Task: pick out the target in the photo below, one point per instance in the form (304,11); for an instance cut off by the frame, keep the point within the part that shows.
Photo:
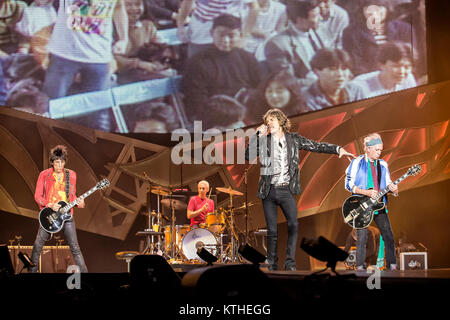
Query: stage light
(206,256)
(251,254)
(324,250)
(27,263)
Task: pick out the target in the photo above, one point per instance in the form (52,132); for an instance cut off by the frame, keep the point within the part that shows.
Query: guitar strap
(379,173)
(380,258)
(67,184)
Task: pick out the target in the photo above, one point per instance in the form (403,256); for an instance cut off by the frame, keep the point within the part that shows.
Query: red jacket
(45,183)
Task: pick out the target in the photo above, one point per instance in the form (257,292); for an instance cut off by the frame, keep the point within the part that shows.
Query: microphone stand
(149,211)
(246,206)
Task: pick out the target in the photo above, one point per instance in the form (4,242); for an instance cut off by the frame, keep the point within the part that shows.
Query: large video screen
(156,66)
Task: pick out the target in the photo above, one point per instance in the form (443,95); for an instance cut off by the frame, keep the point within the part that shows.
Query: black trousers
(280,196)
(71,237)
(384,225)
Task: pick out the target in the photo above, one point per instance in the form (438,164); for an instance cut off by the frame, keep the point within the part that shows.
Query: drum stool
(127,256)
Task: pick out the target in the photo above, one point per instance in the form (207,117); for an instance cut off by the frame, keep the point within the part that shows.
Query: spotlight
(251,254)
(324,250)
(27,263)
(206,256)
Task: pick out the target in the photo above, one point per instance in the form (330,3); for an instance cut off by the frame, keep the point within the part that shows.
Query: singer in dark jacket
(279,182)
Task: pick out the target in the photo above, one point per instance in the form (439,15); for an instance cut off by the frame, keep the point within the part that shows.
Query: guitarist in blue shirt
(367,175)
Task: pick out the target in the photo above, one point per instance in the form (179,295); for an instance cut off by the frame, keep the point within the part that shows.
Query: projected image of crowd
(159,65)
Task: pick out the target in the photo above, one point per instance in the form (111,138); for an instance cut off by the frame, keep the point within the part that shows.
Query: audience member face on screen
(226,39)
(281,91)
(324,8)
(332,69)
(135,10)
(397,71)
(226,32)
(311,22)
(395,62)
(277,95)
(304,15)
(333,78)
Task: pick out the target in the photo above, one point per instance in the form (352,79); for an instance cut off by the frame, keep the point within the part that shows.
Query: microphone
(258,133)
(279,143)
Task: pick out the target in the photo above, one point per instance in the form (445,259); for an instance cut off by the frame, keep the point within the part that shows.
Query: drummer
(199,206)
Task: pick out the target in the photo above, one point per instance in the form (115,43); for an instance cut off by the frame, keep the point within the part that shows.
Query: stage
(183,294)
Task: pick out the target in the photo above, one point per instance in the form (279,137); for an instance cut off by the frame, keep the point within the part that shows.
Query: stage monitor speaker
(220,283)
(53,259)
(6,267)
(153,272)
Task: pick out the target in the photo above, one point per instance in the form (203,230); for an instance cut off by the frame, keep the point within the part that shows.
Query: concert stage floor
(285,292)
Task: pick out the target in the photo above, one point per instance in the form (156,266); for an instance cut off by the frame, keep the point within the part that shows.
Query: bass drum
(197,238)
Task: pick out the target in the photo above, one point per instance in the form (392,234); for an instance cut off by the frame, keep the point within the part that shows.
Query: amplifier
(351,259)
(53,259)
(413,261)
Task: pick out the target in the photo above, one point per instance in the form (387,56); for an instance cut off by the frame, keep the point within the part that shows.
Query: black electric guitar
(53,221)
(358,210)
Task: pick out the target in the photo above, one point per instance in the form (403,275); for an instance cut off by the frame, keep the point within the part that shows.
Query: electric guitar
(358,210)
(53,221)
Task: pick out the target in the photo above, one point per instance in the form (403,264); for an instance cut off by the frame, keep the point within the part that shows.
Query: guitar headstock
(414,170)
(102,184)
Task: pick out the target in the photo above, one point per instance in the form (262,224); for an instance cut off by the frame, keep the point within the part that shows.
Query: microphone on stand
(246,206)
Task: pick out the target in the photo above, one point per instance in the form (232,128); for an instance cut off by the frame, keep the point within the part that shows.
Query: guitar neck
(84,195)
(386,190)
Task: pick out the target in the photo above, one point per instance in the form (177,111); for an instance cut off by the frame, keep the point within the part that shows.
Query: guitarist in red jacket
(57,184)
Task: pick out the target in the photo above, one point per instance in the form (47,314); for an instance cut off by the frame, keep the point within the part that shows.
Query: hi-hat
(229,191)
(244,206)
(154,214)
(176,204)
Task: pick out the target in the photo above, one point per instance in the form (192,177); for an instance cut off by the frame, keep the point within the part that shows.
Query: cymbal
(176,204)
(153,213)
(160,191)
(230,191)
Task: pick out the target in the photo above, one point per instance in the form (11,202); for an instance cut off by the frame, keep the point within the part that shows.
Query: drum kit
(179,243)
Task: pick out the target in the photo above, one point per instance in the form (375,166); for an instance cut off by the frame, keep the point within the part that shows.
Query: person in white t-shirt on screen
(82,44)
(270,17)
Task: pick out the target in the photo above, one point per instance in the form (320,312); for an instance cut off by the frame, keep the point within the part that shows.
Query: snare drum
(199,238)
(216,221)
